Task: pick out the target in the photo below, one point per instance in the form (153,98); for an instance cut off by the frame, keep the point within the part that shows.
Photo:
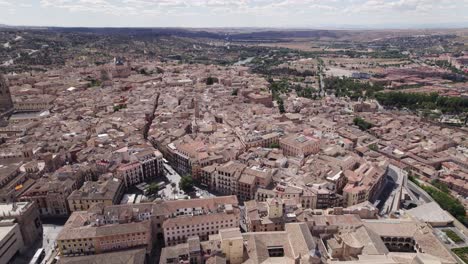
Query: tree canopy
(348,87)
(362,124)
(419,101)
(186,184)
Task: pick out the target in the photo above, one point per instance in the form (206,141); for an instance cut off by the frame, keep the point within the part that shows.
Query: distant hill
(261,35)
(248,34)
(138,31)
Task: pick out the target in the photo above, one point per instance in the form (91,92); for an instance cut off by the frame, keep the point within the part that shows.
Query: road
(51,229)
(420,194)
(51,232)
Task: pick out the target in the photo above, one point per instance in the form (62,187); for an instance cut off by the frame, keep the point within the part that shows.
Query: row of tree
(458,75)
(283,71)
(448,203)
(441,194)
(419,101)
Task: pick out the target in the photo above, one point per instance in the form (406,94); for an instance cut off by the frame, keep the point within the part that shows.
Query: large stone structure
(26,215)
(6,103)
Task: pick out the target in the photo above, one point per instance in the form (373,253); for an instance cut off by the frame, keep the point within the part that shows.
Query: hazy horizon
(304,14)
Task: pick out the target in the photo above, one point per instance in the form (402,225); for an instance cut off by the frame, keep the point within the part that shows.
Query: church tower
(6,104)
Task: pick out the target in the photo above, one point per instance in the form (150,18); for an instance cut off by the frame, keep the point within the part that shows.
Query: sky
(236,13)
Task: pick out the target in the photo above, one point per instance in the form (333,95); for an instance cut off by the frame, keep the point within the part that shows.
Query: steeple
(6,103)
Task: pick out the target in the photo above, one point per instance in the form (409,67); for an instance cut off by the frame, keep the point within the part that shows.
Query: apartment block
(236,178)
(51,196)
(136,164)
(297,145)
(87,233)
(364,183)
(188,158)
(107,192)
(11,241)
(197,217)
(263,139)
(271,215)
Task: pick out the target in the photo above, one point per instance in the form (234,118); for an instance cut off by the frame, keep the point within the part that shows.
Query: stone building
(299,145)
(11,241)
(293,245)
(107,192)
(6,103)
(26,215)
(87,233)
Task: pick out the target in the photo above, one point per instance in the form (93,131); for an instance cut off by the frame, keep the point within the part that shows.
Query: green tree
(93,83)
(186,184)
(274,145)
(362,124)
(422,101)
(373,147)
(211,80)
(348,87)
(440,185)
(448,203)
(153,188)
(118,107)
(281,106)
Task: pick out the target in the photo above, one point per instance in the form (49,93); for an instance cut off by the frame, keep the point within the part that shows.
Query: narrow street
(51,229)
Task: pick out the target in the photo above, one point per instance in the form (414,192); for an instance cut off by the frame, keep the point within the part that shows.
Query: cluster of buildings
(424,149)
(207,231)
(303,185)
(105,228)
(66,149)
(319,238)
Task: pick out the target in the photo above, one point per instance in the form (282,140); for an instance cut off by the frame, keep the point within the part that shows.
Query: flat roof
(7,209)
(5,230)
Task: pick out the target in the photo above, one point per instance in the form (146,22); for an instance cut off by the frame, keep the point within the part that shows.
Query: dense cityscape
(171,145)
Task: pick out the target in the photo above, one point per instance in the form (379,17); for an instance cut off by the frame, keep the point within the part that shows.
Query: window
(275,252)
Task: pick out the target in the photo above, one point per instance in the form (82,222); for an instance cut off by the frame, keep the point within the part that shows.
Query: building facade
(11,241)
(106,192)
(299,145)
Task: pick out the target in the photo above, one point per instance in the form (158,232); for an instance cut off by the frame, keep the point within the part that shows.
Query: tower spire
(6,103)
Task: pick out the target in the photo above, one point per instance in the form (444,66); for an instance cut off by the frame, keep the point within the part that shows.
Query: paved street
(420,194)
(174,177)
(51,230)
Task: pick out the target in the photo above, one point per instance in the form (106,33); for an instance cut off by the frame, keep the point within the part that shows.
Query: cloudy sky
(235,13)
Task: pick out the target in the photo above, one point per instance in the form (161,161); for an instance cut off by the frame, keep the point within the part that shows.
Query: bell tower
(6,104)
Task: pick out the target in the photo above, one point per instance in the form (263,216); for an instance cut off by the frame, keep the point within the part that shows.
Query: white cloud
(238,12)
(6,3)
(113,6)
